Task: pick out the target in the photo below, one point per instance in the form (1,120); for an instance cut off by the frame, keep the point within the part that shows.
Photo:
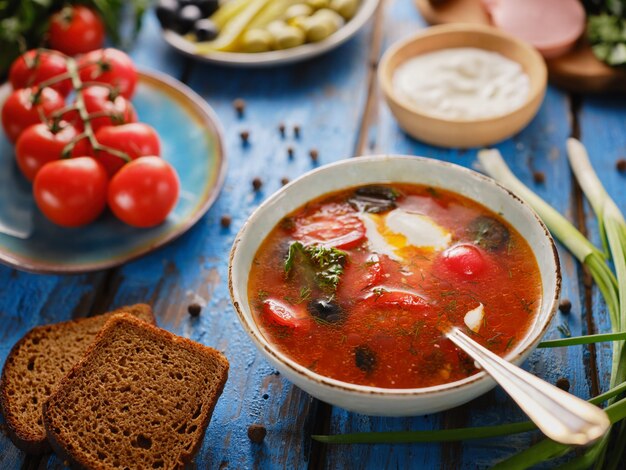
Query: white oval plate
(286,56)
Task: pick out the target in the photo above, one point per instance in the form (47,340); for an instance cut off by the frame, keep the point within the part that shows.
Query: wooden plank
(325,97)
(601,121)
(538,148)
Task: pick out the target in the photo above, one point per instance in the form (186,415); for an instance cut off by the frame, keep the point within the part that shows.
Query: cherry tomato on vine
(136,140)
(144,192)
(110,66)
(40,144)
(23,107)
(98,100)
(36,66)
(76,30)
(71,192)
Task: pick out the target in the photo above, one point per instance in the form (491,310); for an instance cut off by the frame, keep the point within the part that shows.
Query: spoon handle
(559,415)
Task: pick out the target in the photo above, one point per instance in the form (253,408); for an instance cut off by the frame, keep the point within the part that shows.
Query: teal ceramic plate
(191,140)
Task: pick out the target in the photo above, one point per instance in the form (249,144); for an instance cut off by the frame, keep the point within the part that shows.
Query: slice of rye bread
(140,398)
(35,366)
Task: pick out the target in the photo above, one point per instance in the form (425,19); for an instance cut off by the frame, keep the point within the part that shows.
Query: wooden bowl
(454,132)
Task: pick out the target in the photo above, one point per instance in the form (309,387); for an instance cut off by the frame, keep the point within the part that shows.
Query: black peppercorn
(194,309)
(565,306)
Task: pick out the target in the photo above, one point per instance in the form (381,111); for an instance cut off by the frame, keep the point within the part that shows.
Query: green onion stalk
(595,260)
(612,229)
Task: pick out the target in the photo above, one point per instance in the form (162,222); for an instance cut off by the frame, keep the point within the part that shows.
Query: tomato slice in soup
(375,271)
(283,314)
(383,297)
(332,227)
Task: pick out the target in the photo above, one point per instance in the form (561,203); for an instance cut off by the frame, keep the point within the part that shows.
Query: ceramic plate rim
(287,56)
(211,122)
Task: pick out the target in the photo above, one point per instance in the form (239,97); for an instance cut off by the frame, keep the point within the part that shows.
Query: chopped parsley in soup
(358,285)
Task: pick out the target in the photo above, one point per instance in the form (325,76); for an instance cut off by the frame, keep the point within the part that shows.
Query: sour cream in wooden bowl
(462,85)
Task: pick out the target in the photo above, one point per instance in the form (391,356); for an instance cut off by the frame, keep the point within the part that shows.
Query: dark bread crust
(78,458)
(21,433)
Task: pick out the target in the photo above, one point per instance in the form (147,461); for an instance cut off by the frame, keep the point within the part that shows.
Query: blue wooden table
(335,101)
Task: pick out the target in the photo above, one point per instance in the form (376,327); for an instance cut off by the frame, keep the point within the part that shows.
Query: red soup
(359,284)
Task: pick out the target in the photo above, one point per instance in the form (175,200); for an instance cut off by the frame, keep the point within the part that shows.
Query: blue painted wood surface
(330,99)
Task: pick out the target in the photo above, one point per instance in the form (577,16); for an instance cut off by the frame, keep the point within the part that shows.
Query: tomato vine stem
(88,133)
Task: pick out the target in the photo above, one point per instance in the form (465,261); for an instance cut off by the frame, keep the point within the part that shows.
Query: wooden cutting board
(577,71)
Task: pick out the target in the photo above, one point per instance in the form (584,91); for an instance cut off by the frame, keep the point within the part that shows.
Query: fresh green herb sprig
(328,263)
(24,23)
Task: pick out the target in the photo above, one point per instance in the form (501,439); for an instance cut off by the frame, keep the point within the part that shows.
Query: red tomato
(144,191)
(110,66)
(36,66)
(98,100)
(465,260)
(283,314)
(22,109)
(71,192)
(136,140)
(76,30)
(331,227)
(384,297)
(375,271)
(39,145)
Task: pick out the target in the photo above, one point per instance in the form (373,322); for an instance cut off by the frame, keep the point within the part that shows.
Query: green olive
(346,8)
(330,15)
(288,37)
(296,11)
(275,27)
(318,28)
(300,22)
(256,40)
(317,4)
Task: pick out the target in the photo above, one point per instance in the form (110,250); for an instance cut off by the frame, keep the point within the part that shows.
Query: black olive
(488,232)
(364,358)
(187,17)
(207,7)
(205,30)
(325,310)
(167,13)
(377,192)
(374,199)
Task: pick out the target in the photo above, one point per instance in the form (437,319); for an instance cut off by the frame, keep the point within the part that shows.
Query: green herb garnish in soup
(358,284)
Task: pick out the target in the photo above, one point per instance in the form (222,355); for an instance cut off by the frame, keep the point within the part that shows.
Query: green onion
(590,256)
(588,339)
(612,227)
(612,230)
(447,435)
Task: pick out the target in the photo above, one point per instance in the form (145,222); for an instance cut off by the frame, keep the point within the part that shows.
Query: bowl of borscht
(347,279)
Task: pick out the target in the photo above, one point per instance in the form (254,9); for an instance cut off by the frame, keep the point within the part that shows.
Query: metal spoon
(559,415)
